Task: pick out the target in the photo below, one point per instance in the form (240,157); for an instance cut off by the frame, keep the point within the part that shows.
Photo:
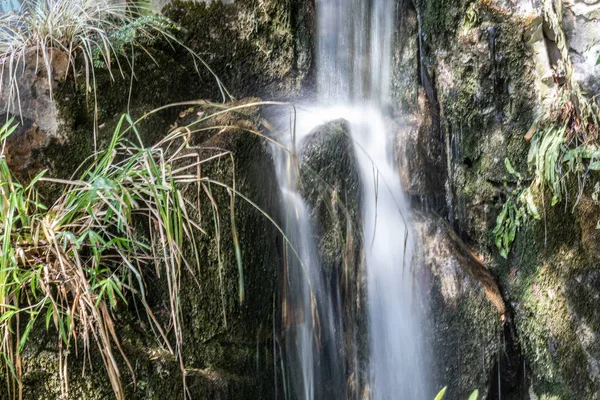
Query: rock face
(227,335)
(485,68)
(470,333)
(330,185)
(257,48)
(582,26)
(27,98)
(228,342)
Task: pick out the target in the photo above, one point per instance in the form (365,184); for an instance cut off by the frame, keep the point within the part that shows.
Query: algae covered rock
(229,315)
(551,281)
(257,48)
(469,332)
(490,65)
(330,185)
(227,338)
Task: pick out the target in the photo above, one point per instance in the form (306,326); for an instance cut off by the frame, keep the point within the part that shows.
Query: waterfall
(353,82)
(310,322)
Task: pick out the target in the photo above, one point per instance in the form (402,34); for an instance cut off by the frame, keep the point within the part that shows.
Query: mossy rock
(330,185)
(552,280)
(222,360)
(469,328)
(257,48)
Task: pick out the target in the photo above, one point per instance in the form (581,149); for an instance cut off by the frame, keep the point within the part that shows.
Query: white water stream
(353,75)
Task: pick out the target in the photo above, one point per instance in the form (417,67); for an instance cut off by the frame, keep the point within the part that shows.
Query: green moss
(222,332)
(442,18)
(550,277)
(466,335)
(485,85)
(256,47)
(330,185)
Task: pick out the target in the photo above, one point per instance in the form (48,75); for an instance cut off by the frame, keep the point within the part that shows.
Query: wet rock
(420,154)
(405,67)
(226,332)
(330,185)
(469,321)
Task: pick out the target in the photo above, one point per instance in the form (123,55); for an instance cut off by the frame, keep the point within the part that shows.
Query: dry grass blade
(95,33)
(74,264)
(71,262)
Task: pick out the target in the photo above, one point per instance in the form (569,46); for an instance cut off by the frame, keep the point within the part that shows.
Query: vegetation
(517,209)
(565,142)
(442,393)
(72,264)
(89,33)
(565,139)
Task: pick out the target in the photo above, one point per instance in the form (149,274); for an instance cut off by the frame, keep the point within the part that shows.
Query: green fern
(517,209)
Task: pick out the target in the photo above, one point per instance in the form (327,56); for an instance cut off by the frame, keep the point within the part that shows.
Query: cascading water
(353,76)
(312,326)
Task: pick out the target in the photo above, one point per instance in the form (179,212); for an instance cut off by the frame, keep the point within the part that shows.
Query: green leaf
(37,178)
(441,394)
(532,209)
(595,166)
(7,315)
(49,313)
(474,395)
(598,61)
(25,334)
(510,168)
(6,130)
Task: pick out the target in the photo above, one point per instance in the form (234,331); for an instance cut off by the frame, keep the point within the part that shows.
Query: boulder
(27,98)
(330,185)
(469,329)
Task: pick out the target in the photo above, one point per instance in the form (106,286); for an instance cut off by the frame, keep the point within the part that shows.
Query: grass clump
(90,34)
(71,265)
